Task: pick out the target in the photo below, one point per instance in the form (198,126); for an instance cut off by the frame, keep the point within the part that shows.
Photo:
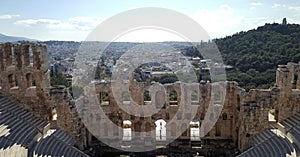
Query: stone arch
(31,56)
(104,98)
(13,55)
(195,130)
(218,129)
(12,80)
(127,130)
(160,130)
(295,78)
(30,81)
(147,97)
(54,114)
(224,116)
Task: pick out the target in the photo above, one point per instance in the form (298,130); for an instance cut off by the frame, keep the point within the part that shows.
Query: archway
(127,130)
(160,130)
(195,130)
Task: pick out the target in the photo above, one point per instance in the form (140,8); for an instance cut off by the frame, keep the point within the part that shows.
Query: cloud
(256,4)
(73,28)
(74,23)
(85,23)
(30,22)
(277,5)
(7,16)
(294,8)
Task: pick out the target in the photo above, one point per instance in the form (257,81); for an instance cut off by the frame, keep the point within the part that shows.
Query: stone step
(64,137)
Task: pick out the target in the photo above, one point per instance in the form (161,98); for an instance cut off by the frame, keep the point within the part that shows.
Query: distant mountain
(5,38)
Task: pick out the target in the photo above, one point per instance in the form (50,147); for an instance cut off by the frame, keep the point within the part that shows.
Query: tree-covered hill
(255,54)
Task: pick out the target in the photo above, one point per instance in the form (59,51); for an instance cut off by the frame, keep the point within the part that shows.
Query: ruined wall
(24,76)
(287,79)
(255,107)
(282,101)
(244,114)
(67,117)
(225,128)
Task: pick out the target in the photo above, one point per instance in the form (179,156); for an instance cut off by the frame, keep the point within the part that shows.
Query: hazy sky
(74,20)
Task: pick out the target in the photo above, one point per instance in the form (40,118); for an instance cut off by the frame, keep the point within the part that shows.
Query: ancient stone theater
(38,120)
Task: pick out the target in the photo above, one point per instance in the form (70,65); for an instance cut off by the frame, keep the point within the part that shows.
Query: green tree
(58,79)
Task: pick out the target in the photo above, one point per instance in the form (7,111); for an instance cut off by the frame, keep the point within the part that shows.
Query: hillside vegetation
(255,54)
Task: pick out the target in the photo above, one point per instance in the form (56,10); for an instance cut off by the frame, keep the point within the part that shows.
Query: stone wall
(24,77)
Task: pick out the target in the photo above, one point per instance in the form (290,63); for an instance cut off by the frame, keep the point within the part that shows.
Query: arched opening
(147,97)
(126,98)
(173,98)
(195,130)
(104,98)
(271,115)
(195,97)
(30,80)
(30,55)
(12,55)
(202,116)
(160,130)
(12,80)
(0,84)
(167,116)
(295,78)
(126,130)
(224,116)
(218,130)
(54,114)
